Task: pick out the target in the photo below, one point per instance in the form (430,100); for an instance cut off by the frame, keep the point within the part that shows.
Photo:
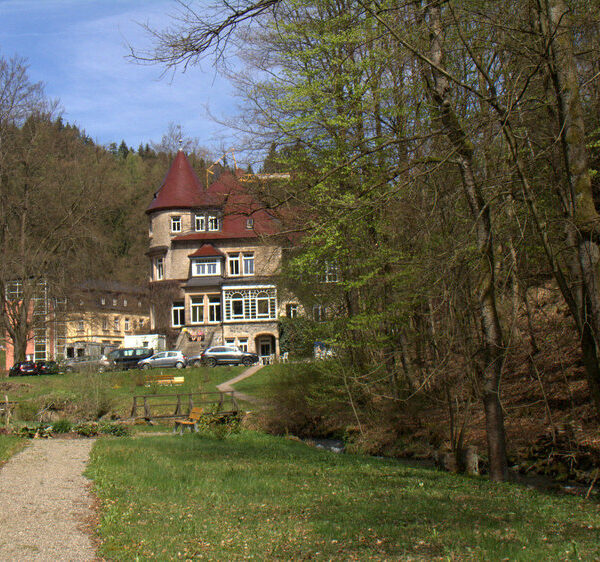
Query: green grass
(73,392)
(9,445)
(267,498)
(258,384)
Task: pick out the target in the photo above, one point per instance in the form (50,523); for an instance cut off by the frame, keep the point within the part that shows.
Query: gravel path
(45,503)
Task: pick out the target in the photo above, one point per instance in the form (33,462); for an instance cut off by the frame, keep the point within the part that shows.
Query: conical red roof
(181,188)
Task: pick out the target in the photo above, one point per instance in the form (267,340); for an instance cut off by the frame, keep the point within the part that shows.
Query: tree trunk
(439,89)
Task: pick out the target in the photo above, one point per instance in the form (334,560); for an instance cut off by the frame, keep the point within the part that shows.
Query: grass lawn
(258,384)
(109,391)
(9,445)
(263,497)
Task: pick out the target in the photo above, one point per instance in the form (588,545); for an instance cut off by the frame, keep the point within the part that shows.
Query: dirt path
(45,503)
(227,385)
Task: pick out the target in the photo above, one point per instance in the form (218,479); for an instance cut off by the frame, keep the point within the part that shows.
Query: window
(262,305)
(249,224)
(117,324)
(319,313)
(250,304)
(213,223)
(103,301)
(291,310)
(176,223)
(214,308)
(230,341)
(197,310)
(243,344)
(200,223)
(127,324)
(159,268)
(178,314)
(80,326)
(234,265)
(105,324)
(248,261)
(331,273)
(114,302)
(124,302)
(206,267)
(150,227)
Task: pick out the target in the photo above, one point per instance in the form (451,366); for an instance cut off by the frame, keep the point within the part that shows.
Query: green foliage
(62,426)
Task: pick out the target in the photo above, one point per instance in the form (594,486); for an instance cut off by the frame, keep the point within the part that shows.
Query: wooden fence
(161,406)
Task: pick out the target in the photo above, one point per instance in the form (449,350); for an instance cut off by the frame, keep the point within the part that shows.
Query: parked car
(128,357)
(22,368)
(224,355)
(164,359)
(46,367)
(87,363)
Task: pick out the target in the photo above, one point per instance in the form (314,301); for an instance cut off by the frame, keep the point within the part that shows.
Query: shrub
(116,429)
(86,429)
(37,430)
(62,426)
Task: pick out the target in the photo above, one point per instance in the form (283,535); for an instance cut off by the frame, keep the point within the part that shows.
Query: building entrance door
(265,349)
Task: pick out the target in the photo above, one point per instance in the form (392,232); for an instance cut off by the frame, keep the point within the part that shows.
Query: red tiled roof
(181,188)
(206,250)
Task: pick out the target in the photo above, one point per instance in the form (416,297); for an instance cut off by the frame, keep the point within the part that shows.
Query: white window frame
(292,310)
(215,309)
(117,324)
(197,309)
(206,267)
(248,263)
(178,312)
(243,344)
(159,268)
(243,303)
(234,264)
(213,223)
(127,324)
(200,223)
(176,223)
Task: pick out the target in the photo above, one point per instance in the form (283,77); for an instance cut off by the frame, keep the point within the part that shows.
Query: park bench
(163,380)
(191,421)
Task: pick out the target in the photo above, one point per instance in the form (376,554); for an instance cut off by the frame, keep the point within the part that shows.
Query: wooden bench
(163,380)
(191,422)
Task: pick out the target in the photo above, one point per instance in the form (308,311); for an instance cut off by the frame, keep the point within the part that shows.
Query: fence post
(191,402)
(147,413)
(178,407)
(134,408)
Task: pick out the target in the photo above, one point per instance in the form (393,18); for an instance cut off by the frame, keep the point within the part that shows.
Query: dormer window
(200,222)
(176,223)
(213,223)
(205,267)
(249,224)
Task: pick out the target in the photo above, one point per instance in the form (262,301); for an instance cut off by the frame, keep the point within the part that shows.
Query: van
(128,357)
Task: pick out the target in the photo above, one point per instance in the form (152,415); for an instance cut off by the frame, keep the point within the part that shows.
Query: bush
(116,429)
(62,426)
(86,429)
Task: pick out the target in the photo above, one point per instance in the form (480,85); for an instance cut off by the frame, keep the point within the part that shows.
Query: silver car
(164,359)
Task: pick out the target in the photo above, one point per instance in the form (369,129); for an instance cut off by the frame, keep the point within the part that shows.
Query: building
(100,314)
(214,256)
(93,320)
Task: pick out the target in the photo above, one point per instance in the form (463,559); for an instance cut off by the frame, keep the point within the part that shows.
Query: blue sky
(78,49)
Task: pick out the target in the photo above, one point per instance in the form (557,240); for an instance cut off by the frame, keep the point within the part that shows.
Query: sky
(78,48)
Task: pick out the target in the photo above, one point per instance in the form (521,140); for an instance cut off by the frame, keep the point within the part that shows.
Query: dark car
(46,367)
(224,355)
(128,357)
(22,368)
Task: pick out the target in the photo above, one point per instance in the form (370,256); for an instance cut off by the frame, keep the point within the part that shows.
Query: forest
(442,157)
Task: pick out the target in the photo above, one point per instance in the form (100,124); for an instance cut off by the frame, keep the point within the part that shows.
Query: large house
(214,255)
